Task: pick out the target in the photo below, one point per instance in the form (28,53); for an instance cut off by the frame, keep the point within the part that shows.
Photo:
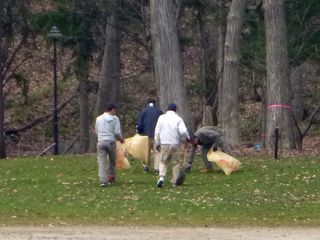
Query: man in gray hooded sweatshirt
(108,130)
(207,137)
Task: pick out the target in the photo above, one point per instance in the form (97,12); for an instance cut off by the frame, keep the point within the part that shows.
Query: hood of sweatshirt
(107,117)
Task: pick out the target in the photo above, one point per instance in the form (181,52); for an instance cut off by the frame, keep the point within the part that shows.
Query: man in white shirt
(170,131)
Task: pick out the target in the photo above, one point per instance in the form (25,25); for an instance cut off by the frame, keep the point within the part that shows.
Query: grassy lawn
(64,190)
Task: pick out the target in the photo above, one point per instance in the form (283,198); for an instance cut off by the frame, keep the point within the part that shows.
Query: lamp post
(55,34)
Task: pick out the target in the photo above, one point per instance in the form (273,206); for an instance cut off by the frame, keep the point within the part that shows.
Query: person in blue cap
(170,131)
(146,124)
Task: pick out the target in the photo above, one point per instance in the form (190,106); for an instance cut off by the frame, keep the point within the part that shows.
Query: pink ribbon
(279,106)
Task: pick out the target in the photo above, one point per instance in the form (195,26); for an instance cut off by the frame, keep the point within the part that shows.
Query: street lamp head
(54,33)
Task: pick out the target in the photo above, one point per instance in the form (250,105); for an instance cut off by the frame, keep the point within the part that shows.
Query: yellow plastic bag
(137,146)
(121,160)
(224,161)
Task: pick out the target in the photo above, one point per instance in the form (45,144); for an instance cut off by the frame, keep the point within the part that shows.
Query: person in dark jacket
(207,137)
(146,124)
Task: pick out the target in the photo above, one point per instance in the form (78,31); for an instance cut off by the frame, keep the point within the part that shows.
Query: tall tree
(83,18)
(220,60)
(303,39)
(14,29)
(278,85)
(167,57)
(2,100)
(109,82)
(82,74)
(210,15)
(231,82)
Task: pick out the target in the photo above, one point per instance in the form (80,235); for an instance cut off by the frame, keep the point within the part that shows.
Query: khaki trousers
(152,151)
(168,153)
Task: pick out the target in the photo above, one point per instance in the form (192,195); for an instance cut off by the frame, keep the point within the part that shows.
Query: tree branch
(311,119)
(16,131)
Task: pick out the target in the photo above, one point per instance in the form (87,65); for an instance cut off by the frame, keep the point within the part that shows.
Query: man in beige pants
(169,132)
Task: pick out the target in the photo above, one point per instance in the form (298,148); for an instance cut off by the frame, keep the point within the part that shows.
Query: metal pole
(55,100)
(276,142)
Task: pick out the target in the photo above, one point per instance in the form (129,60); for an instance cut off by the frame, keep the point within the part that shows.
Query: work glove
(214,147)
(158,147)
(188,167)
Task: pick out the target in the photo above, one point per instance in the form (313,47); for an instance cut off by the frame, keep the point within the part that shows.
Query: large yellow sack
(121,159)
(137,146)
(224,161)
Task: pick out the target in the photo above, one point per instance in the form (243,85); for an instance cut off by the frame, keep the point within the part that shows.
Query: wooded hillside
(248,66)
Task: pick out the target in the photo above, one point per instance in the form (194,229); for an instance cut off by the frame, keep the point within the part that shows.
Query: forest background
(247,66)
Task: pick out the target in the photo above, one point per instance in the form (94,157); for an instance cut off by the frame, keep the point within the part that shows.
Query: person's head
(111,108)
(151,102)
(172,107)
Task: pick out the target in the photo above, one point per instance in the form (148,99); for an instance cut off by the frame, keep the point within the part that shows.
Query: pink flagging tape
(279,106)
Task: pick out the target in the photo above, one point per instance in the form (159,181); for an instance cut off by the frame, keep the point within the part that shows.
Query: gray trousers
(106,151)
(204,151)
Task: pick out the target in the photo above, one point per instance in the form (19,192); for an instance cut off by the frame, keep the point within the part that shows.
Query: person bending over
(207,137)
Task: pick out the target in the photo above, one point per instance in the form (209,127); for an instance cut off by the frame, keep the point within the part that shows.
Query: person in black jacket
(207,137)
(146,124)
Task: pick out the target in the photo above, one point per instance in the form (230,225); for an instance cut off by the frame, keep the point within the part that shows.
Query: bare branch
(310,122)
(13,56)
(38,120)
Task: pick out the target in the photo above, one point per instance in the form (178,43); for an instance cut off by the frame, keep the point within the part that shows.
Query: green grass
(64,190)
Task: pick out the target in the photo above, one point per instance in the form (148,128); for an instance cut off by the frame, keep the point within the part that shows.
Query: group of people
(165,131)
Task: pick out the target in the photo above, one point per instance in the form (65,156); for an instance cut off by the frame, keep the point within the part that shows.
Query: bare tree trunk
(167,58)
(278,85)
(82,67)
(220,59)
(209,39)
(109,84)
(297,93)
(212,35)
(2,97)
(14,30)
(230,87)
(82,74)
(263,116)
(2,137)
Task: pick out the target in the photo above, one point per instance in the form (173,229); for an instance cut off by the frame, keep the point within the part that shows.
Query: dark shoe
(145,169)
(160,182)
(103,184)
